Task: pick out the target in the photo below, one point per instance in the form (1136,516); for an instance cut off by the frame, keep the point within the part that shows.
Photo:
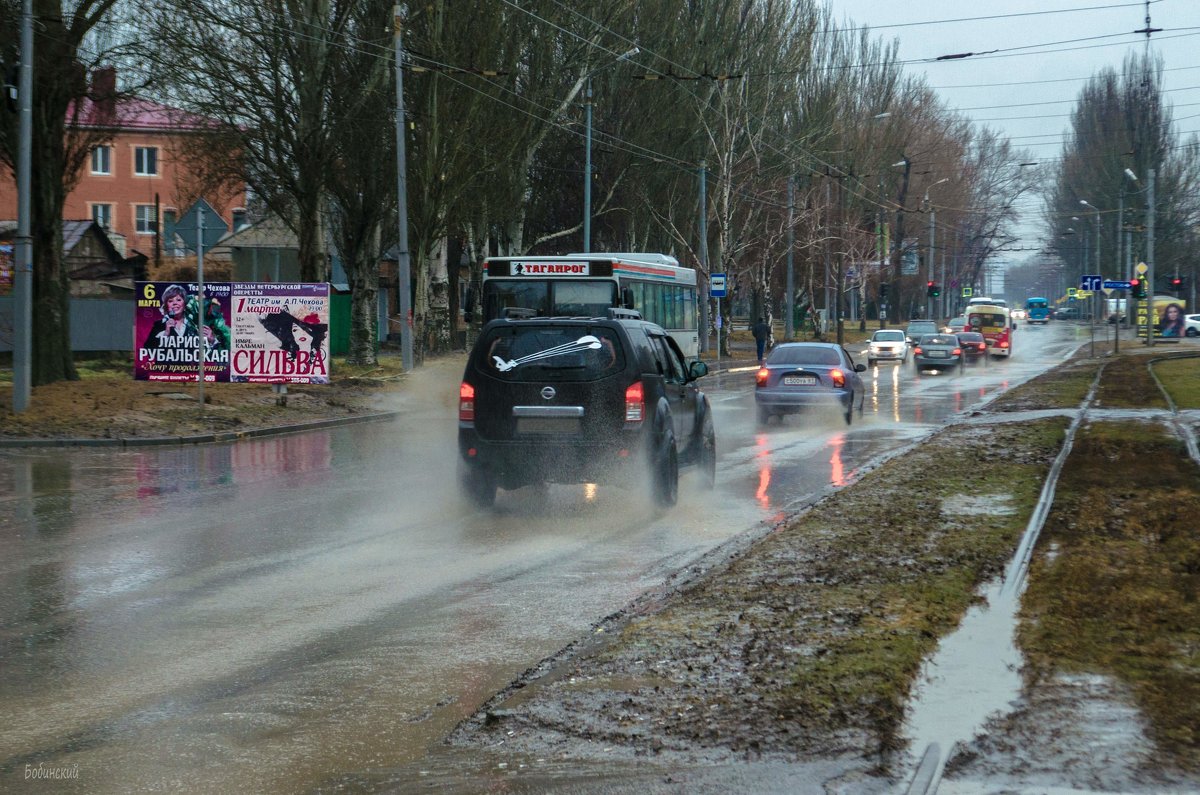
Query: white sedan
(1191,325)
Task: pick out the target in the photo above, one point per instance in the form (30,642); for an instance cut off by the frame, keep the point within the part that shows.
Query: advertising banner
(167,331)
(7,268)
(280,333)
(263,333)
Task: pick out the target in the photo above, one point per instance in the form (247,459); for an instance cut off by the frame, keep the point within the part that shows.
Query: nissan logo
(548,392)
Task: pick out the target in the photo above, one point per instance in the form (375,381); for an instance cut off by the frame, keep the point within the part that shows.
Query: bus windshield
(574,298)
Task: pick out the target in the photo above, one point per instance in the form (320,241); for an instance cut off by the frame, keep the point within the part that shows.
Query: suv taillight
(466,402)
(635,402)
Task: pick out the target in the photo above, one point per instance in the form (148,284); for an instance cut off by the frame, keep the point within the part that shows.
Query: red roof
(139,114)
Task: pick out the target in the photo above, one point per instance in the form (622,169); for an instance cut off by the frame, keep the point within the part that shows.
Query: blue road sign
(1091,281)
(716,285)
(1116,284)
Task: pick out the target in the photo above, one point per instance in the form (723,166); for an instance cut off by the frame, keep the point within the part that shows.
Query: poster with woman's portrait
(1171,320)
(173,324)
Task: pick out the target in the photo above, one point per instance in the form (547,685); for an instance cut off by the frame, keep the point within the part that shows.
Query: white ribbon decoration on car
(584,343)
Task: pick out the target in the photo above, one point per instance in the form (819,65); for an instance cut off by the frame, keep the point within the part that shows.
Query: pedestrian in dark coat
(762,333)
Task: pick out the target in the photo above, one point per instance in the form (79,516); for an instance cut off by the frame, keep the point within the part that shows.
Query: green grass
(1181,379)
(1121,593)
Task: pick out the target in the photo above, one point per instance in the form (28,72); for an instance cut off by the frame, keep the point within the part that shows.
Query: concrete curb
(204,438)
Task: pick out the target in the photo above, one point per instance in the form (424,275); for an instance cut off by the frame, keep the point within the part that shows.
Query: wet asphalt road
(288,613)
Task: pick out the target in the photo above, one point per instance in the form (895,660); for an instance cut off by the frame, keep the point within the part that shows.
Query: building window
(102,215)
(102,160)
(145,160)
(143,217)
(239,221)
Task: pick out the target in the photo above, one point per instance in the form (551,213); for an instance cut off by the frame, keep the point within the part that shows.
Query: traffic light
(933,290)
(1138,286)
(883,289)
(1177,285)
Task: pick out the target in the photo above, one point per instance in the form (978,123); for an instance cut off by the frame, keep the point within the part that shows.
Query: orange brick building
(141,167)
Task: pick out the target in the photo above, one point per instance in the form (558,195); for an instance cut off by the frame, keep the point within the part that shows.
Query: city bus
(995,324)
(1037,310)
(586,285)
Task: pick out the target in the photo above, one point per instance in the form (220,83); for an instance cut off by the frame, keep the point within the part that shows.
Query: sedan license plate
(799,380)
(937,354)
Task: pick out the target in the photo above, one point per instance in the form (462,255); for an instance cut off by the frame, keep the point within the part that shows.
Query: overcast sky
(1027,94)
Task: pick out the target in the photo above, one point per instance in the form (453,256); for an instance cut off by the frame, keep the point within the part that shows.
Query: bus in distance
(587,285)
(995,324)
(1037,310)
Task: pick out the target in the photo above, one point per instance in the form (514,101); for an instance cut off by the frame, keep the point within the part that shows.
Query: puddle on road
(974,674)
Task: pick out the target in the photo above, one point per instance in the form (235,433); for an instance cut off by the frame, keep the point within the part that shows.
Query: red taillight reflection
(839,378)
(760,378)
(635,402)
(466,402)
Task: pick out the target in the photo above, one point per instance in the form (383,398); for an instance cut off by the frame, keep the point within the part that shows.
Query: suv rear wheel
(665,475)
(478,486)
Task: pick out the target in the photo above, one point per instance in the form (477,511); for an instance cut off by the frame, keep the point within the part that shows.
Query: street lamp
(587,172)
(932,227)
(1149,251)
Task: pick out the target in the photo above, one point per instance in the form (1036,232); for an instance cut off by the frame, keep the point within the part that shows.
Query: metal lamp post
(587,171)
(932,230)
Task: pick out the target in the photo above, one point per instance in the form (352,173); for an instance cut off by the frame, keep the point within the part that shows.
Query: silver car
(887,344)
(941,352)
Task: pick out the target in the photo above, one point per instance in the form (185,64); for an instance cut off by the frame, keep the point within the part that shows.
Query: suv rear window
(546,353)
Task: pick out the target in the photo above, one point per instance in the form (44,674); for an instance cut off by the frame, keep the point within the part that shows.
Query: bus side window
(627,301)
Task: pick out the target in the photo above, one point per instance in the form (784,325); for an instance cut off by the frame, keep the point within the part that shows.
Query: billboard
(264,333)
(281,333)
(168,332)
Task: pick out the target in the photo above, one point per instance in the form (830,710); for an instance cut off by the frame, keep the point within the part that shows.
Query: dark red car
(974,344)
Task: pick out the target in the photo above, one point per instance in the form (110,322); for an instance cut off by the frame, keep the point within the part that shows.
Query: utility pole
(932,230)
(23,277)
(789,298)
(828,246)
(403,274)
(704,263)
(1150,258)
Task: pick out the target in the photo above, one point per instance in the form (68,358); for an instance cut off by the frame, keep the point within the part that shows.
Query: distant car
(1191,325)
(919,328)
(941,352)
(974,345)
(1067,313)
(803,375)
(887,344)
(955,325)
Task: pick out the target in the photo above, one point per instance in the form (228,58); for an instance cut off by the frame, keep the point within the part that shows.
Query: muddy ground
(106,403)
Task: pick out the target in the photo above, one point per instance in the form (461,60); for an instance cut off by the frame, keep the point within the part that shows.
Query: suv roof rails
(519,313)
(618,313)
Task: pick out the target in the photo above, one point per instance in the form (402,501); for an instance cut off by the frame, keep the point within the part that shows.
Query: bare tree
(70,119)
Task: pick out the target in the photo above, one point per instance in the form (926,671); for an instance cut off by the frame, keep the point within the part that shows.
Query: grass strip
(1114,587)
(1181,379)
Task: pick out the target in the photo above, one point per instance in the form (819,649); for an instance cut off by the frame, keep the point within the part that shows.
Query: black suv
(581,400)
